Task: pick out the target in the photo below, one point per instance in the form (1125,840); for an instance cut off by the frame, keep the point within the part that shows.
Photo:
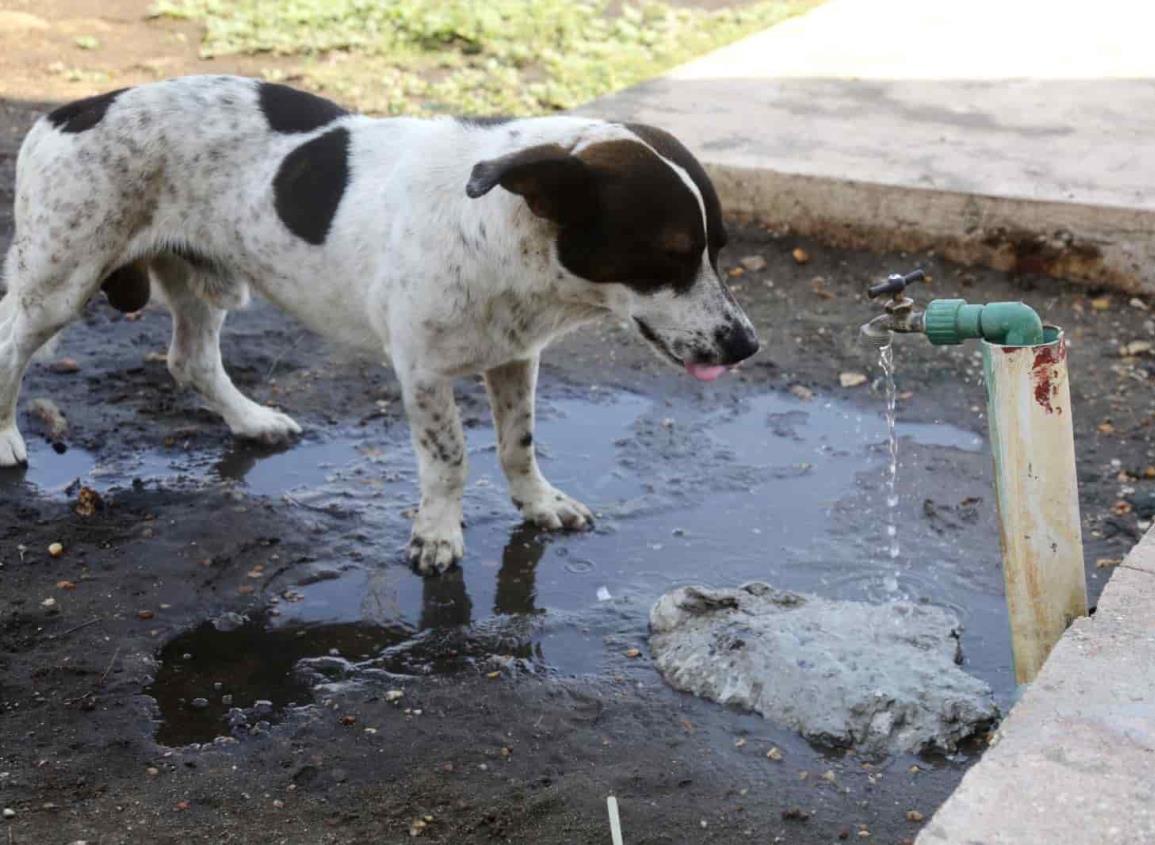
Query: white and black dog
(386,234)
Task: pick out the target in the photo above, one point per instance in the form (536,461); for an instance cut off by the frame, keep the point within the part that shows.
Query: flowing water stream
(886,361)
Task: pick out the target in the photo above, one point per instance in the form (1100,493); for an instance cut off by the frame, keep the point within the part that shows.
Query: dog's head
(637,213)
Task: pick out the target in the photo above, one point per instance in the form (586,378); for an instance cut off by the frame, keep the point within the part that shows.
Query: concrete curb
(1095,244)
(1075,760)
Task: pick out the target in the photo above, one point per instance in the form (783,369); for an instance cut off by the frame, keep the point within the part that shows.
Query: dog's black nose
(736,343)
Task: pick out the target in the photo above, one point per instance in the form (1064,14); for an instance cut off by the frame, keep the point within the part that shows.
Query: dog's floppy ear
(556,185)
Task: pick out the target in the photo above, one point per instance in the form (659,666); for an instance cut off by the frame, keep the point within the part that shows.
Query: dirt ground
(497,736)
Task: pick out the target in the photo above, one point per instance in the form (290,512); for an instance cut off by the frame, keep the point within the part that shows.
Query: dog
(449,246)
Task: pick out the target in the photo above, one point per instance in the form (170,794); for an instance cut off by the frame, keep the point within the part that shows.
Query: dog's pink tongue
(705,372)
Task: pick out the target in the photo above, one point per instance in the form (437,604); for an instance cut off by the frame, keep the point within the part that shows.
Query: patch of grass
(473,56)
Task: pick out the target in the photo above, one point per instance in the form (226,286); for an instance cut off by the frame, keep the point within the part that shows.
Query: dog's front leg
(437,542)
(511,392)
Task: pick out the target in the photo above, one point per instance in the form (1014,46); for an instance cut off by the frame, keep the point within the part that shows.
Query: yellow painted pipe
(1032,440)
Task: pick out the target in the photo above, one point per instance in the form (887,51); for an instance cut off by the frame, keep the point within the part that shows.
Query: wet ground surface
(231,648)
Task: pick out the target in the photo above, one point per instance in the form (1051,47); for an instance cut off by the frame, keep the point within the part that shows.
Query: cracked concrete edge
(1075,760)
(1099,245)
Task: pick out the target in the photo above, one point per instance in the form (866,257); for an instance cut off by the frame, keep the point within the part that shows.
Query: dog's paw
(552,509)
(437,542)
(264,425)
(12,450)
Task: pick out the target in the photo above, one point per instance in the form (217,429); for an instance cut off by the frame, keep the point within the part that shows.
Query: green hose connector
(951,321)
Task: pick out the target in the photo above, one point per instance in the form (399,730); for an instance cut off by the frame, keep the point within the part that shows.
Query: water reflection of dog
(445,601)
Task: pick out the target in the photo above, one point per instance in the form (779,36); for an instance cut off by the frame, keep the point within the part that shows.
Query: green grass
(511,57)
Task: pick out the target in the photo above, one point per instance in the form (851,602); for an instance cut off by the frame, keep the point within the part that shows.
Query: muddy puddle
(686,490)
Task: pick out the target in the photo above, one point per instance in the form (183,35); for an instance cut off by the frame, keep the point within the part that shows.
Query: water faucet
(900,315)
(949,321)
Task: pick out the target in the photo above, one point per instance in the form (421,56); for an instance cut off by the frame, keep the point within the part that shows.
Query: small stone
(145,615)
(152,771)
(199,703)
(64,366)
(633,652)
(348,721)
(88,502)
(801,256)
(739,743)
(801,392)
(851,379)
(829,776)
(417,827)
(1135,347)
(775,753)
(278,803)
(55,549)
(1107,562)
(181,806)
(795,814)
(156,358)
(48,603)
(394,695)
(753,263)
(1102,303)
(9,813)
(65,585)
(913,816)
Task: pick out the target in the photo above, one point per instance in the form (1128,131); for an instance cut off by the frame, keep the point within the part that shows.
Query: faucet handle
(895,284)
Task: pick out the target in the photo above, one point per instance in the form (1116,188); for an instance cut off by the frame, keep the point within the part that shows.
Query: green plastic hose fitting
(951,321)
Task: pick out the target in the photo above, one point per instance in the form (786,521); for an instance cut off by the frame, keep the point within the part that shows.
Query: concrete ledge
(1074,763)
(1100,245)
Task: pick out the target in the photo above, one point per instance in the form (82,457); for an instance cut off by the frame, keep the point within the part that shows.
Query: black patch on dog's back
(667,146)
(310,183)
(289,110)
(82,115)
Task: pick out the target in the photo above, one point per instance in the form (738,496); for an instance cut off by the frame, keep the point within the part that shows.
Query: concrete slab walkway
(1075,761)
(1018,134)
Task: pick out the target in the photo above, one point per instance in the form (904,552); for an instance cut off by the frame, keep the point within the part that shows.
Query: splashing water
(886,361)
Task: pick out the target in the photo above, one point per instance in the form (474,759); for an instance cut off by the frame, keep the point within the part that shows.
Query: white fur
(412,269)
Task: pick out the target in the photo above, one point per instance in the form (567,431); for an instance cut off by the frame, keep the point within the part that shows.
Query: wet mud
(230,647)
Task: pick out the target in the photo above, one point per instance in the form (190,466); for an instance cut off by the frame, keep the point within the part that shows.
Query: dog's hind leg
(511,390)
(194,357)
(35,308)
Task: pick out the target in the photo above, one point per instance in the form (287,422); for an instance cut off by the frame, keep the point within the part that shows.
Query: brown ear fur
(556,185)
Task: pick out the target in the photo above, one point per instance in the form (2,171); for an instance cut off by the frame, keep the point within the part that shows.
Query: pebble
(754,263)
(394,695)
(55,549)
(199,703)
(633,652)
(913,816)
(801,256)
(9,813)
(145,614)
(64,366)
(48,603)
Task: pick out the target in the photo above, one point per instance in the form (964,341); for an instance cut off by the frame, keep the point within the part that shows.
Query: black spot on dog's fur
(310,183)
(82,115)
(127,287)
(289,110)
(526,440)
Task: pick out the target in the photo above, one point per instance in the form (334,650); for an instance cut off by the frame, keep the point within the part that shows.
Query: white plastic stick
(615,822)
